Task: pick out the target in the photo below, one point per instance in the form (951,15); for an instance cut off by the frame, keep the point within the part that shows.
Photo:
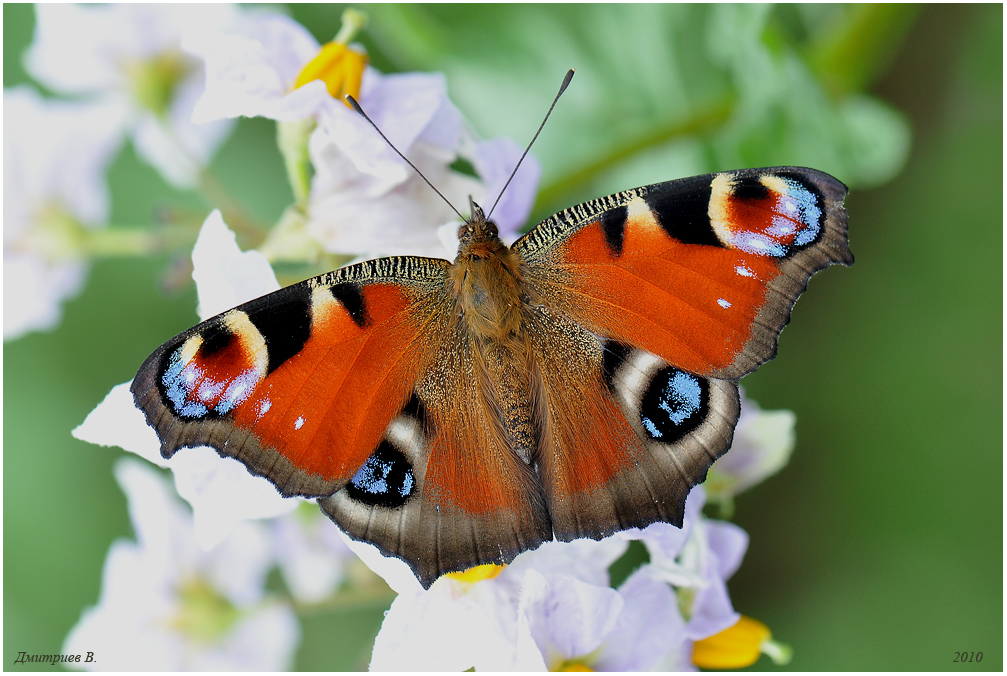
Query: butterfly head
(477,232)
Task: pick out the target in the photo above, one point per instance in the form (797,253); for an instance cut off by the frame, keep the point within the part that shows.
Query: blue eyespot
(386,479)
(675,404)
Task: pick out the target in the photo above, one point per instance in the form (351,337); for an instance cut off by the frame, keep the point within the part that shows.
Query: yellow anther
(486,571)
(338,65)
(575,666)
(736,647)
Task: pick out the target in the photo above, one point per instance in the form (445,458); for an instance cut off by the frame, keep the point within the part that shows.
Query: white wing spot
(723,303)
(299,422)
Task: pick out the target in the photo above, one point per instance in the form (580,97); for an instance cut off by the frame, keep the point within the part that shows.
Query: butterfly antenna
(562,88)
(356,107)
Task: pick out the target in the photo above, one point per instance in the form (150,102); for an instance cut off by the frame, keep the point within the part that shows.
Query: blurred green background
(880,545)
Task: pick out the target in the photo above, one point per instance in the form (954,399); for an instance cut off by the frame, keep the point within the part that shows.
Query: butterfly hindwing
(639,436)
(701,271)
(475,500)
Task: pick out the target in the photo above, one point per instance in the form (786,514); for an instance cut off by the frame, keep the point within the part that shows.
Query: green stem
(292,140)
(122,242)
(217,196)
(350,599)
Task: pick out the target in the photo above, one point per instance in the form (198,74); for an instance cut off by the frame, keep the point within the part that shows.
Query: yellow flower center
(469,577)
(735,647)
(155,79)
(574,666)
(203,614)
(339,66)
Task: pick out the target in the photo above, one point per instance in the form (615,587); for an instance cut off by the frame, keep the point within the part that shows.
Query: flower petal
(137,624)
(225,275)
(649,629)
(251,67)
(569,619)
(729,543)
(495,160)
(763,443)
(116,421)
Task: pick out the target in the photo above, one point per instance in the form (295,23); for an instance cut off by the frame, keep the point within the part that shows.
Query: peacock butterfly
(575,384)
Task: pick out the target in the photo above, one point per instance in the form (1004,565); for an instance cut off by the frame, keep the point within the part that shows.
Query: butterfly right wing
(676,290)
(701,271)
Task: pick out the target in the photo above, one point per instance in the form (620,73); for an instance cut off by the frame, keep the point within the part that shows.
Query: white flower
(225,275)
(221,490)
(763,442)
(697,560)
(130,55)
(366,200)
(55,158)
(313,557)
(166,605)
(577,624)
(251,67)
(472,619)
(553,605)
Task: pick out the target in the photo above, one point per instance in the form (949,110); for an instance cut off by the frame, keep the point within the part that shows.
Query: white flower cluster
(553,608)
(189,592)
(55,156)
(124,71)
(171,77)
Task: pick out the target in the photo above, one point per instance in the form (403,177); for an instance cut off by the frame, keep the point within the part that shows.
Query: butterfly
(575,384)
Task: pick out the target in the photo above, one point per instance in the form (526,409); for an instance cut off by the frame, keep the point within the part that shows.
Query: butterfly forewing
(702,272)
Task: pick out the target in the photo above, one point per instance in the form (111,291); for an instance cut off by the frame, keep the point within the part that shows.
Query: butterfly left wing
(674,292)
(299,384)
(471,500)
(358,388)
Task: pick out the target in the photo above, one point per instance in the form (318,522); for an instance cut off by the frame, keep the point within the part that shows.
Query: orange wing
(300,384)
(666,295)
(702,272)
